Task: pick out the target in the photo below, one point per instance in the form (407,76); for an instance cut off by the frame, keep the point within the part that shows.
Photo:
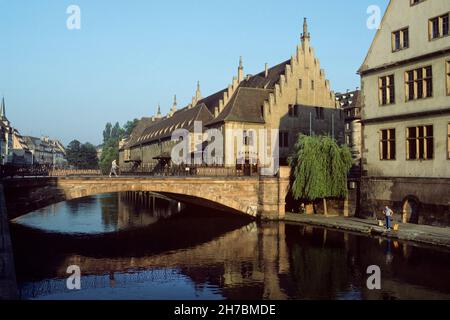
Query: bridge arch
(252,196)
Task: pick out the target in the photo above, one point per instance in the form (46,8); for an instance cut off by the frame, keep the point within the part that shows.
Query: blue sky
(131,55)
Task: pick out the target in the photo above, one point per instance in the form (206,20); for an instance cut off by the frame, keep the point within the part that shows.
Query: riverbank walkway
(429,235)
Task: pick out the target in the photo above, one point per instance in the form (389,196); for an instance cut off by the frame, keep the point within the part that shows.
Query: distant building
(13,148)
(406,113)
(46,151)
(294,97)
(3,142)
(20,153)
(350,103)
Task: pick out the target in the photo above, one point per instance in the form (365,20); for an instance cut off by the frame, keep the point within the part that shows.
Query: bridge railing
(194,170)
(41,170)
(14,171)
(73,172)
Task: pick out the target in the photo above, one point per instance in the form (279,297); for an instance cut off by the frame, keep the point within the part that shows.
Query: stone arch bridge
(262,197)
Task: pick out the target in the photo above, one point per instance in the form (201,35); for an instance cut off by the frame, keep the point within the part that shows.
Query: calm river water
(161,249)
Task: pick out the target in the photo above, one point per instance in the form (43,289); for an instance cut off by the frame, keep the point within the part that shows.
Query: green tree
(319,169)
(81,156)
(73,153)
(111,137)
(117,132)
(89,156)
(109,154)
(107,132)
(129,127)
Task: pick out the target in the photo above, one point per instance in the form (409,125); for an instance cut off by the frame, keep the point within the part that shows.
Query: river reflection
(199,254)
(102,213)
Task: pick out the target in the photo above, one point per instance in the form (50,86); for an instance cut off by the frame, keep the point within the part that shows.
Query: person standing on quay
(388,213)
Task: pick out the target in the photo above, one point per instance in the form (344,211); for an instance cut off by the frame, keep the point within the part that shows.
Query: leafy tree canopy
(107,132)
(111,137)
(81,156)
(110,153)
(129,127)
(319,168)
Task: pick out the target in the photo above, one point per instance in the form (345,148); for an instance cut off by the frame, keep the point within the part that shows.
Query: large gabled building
(406,113)
(293,97)
(149,146)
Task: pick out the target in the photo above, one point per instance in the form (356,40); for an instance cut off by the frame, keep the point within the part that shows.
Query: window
(300,83)
(439,27)
(445,25)
(414,2)
(245,138)
(387,90)
(420,143)
(419,83)
(284,139)
(448,141)
(396,36)
(319,113)
(293,111)
(312,84)
(251,138)
(400,39)
(387,144)
(405,38)
(248,137)
(434,24)
(448,78)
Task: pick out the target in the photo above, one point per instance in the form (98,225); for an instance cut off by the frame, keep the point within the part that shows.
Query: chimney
(266,70)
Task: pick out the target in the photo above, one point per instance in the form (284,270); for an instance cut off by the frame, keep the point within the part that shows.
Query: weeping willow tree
(319,169)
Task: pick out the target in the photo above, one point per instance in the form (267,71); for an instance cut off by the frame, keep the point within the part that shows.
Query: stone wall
(8,284)
(414,200)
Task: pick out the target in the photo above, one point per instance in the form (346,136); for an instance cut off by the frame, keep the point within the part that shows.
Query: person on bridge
(114,168)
